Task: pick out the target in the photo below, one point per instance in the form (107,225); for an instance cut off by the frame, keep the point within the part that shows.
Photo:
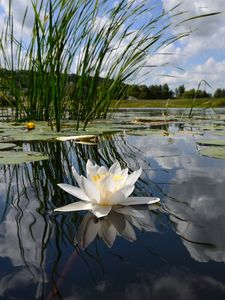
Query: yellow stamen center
(98,177)
(117,177)
(104,203)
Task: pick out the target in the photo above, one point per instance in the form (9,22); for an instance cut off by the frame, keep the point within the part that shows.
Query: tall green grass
(105,45)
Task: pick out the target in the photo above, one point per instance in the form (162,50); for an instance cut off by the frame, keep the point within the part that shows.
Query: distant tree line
(150,92)
(164,92)
(219,93)
(161,91)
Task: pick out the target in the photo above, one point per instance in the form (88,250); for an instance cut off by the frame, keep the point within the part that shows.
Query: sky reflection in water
(178,250)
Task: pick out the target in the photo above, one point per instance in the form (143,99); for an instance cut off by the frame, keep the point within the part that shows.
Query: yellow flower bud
(30,125)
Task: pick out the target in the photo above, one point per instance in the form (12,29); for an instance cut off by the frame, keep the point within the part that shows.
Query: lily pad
(211,142)
(79,138)
(43,132)
(215,152)
(144,132)
(153,121)
(7,146)
(205,127)
(11,157)
(220,133)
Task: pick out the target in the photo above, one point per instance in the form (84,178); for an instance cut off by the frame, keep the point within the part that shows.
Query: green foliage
(102,44)
(191,94)
(219,93)
(176,103)
(179,91)
(151,92)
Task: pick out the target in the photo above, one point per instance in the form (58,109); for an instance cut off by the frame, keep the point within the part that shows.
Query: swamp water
(177,251)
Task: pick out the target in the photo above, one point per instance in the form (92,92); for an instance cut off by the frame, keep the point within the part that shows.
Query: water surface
(177,252)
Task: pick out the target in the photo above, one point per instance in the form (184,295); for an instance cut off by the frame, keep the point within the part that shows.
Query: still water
(176,252)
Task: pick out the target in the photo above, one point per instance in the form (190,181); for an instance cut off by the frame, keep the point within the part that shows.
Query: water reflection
(40,261)
(23,234)
(35,242)
(119,222)
(171,284)
(198,215)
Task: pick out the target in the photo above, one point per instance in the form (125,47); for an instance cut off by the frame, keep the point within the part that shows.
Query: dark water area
(177,252)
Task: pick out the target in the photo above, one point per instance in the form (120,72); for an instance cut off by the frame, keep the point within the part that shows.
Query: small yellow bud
(30,125)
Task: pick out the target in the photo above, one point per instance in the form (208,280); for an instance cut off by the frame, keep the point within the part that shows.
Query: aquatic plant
(105,45)
(104,190)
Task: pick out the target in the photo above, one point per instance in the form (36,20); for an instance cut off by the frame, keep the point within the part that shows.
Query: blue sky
(200,56)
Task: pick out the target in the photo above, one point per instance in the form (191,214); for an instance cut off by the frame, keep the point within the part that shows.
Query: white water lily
(103,189)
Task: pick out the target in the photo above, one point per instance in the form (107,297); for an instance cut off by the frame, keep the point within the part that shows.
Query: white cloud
(170,55)
(18,10)
(206,41)
(22,19)
(211,71)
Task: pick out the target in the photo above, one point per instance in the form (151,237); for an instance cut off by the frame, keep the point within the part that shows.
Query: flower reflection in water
(104,189)
(119,222)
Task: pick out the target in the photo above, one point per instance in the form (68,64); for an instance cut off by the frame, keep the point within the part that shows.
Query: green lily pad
(205,127)
(153,121)
(7,146)
(220,133)
(43,131)
(211,142)
(215,152)
(11,157)
(80,138)
(144,132)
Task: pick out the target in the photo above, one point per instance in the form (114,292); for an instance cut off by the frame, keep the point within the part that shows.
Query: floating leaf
(79,138)
(205,127)
(11,157)
(215,152)
(145,132)
(154,122)
(211,142)
(220,133)
(43,131)
(7,146)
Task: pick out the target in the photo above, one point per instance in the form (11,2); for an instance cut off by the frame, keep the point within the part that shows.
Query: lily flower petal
(89,164)
(91,169)
(128,232)
(140,200)
(90,189)
(75,206)
(76,176)
(117,198)
(115,168)
(88,230)
(123,227)
(101,211)
(126,190)
(107,232)
(107,184)
(133,177)
(130,211)
(124,174)
(74,191)
(102,171)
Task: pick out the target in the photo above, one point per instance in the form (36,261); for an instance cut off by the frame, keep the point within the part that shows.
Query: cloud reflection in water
(198,215)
